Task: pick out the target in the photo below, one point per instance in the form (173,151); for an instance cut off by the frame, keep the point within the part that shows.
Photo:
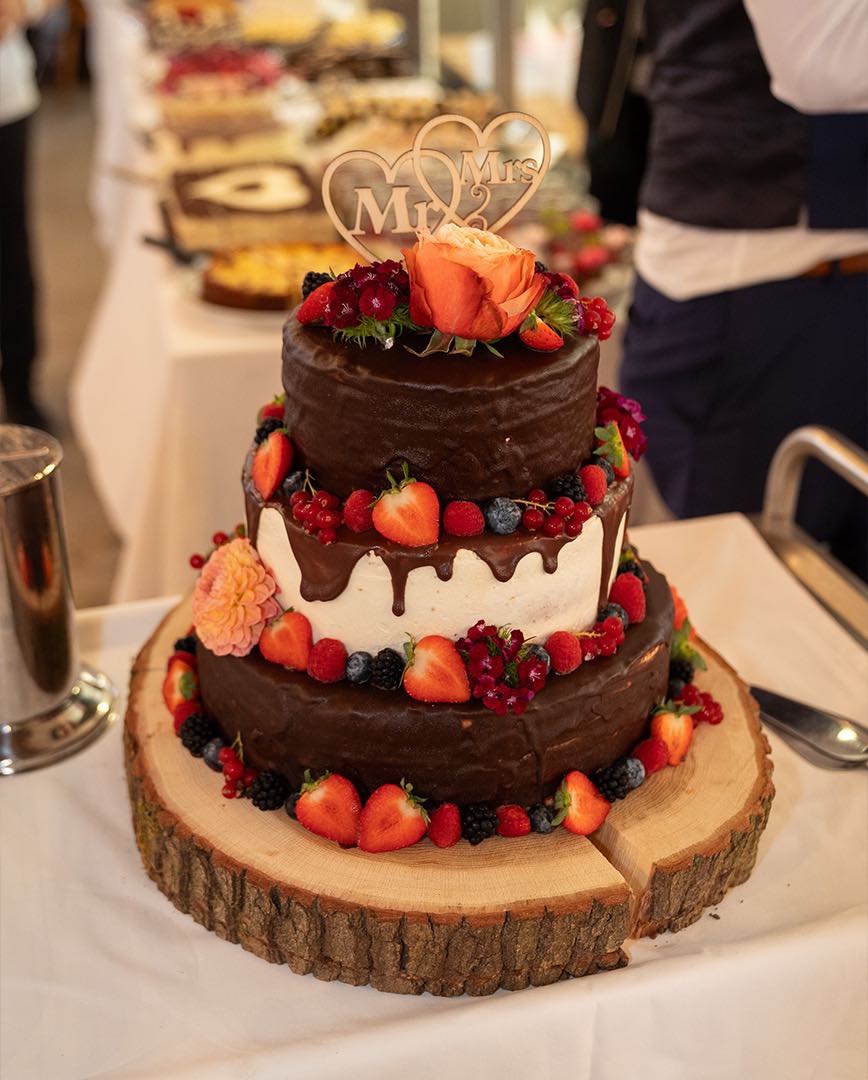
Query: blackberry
(681,669)
(272,423)
(196,732)
(387,669)
(360,667)
(606,467)
(619,778)
(675,688)
(540,818)
(293,483)
(478,822)
(541,654)
(569,485)
(186,644)
(211,754)
(632,566)
(617,611)
(269,790)
(502,515)
(289,805)
(313,280)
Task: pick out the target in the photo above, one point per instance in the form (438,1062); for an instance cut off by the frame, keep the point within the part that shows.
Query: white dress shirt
(18,93)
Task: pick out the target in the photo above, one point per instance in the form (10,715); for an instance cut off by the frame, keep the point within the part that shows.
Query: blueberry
(211,754)
(634,773)
(293,483)
(540,818)
(617,611)
(502,516)
(606,467)
(540,652)
(289,805)
(359,667)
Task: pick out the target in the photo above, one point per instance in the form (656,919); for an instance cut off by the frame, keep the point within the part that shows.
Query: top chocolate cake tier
(472,427)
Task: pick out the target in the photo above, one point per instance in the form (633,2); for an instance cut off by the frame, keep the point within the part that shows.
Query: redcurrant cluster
(504,672)
(710,710)
(318,512)
(237,776)
(373,291)
(558,518)
(603,639)
(596,317)
(197,561)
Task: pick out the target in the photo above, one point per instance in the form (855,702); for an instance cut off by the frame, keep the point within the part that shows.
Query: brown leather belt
(852,264)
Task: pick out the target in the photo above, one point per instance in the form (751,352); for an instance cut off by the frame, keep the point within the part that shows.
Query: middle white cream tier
(533,601)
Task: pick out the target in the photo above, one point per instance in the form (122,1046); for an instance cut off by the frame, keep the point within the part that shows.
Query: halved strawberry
(435,670)
(444,828)
(287,640)
(580,807)
(538,335)
(329,806)
(313,309)
(673,723)
(180,684)
(392,818)
(271,463)
(610,445)
(408,512)
(182,711)
(271,410)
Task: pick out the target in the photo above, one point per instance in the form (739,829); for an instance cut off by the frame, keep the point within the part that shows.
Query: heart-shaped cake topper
(427,186)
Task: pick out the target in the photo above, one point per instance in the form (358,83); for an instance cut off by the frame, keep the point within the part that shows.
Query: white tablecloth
(102,977)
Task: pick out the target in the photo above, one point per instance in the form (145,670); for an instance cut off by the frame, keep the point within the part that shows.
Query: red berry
(327,660)
(628,592)
(233,770)
(444,828)
(512,821)
(357,510)
(197,562)
(565,652)
(653,753)
(327,501)
(533,519)
(462,518)
(226,754)
(564,506)
(248,777)
(573,527)
(328,519)
(582,512)
(229,791)
(594,480)
(297,497)
(182,711)
(537,495)
(219,538)
(553,526)
(327,536)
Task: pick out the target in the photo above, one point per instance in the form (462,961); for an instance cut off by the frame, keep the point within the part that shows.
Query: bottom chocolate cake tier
(457,753)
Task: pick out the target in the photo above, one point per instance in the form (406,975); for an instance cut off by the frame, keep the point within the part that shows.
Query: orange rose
(471,283)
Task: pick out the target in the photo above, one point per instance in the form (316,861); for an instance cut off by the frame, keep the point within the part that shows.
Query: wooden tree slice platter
(505,914)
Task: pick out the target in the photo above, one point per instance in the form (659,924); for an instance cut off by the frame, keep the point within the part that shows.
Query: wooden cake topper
(475,182)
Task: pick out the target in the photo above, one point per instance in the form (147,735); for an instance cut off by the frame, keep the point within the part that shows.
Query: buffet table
(101,977)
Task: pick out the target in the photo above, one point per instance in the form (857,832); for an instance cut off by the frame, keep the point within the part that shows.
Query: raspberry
(444,828)
(690,695)
(512,821)
(565,652)
(182,711)
(463,519)
(594,479)
(653,753)
(628,592)
(327,661)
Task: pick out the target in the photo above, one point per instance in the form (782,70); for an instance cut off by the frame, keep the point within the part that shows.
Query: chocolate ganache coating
(472,427)
(459,753)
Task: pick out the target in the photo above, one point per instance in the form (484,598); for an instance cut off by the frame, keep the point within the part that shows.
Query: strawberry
(327,660)
(408,512)
(357,510)
(287,640)
(512,821)
(392,818)
(628,592)
(594,481)
(673,723)
(312,310)
(271,463)
(185,655)
(580,807)
(463,519)
(435,671)
(271,410)
(565,651)
(329,807)
(538,335)
(180,684)
(182,711)
(653,753)
(444,828)
(610,445)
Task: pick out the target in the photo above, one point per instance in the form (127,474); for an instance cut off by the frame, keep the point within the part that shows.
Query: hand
(13,15)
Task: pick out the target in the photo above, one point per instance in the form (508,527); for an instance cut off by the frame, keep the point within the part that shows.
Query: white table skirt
(102,977)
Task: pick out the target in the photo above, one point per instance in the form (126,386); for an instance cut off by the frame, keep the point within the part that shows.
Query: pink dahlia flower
(233,600)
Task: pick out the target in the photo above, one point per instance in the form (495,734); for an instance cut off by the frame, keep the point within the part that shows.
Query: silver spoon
(839,742)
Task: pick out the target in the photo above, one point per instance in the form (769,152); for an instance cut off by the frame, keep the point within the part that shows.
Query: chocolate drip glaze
(472,428)
(462,753)
(326,571)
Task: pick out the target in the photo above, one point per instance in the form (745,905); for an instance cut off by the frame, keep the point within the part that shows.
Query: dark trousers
(723,378)
(17,288)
